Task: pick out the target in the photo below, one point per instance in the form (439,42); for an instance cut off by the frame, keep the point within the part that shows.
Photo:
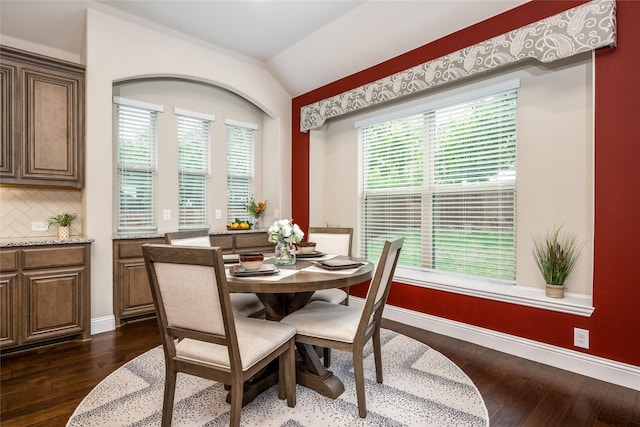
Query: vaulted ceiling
(304,43)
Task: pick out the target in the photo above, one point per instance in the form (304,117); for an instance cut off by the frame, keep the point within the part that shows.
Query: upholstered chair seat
(327,321)
(256,339)
(334,296)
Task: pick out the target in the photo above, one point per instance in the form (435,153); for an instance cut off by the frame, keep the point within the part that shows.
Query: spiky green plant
(556,255)
(63,220)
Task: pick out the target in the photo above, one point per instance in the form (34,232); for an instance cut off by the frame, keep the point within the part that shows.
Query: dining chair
(200,334)
(335,241)
(349,328)
(198,237)
(244,304)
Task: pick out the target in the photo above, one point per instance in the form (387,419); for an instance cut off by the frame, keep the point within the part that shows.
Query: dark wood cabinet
(131,289)
(8,104)
(42,120)
(9,299)
(132,297)
(44,295)
(252,242)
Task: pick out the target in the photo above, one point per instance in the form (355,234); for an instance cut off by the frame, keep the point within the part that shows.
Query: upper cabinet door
(45,101)
(8,103)
(50,117)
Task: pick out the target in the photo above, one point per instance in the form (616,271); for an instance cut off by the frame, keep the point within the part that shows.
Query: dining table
(288,290)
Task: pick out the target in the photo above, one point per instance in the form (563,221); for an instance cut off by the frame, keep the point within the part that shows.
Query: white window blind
(240,147)
(136,158)
(445,179)
(194,171)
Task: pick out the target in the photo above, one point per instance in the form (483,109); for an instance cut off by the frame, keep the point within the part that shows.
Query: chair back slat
(190,295)
(381,283)
(332,240)
(193,241)
(387,274)
(188,238)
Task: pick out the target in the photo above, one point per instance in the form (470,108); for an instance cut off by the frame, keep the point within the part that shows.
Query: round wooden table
(287,295)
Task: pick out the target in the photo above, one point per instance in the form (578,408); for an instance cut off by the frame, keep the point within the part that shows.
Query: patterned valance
(586,27)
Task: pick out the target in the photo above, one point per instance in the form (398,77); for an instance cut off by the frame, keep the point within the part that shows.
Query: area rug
(421,388)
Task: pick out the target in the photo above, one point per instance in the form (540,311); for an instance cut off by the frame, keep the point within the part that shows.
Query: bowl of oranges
(239,224)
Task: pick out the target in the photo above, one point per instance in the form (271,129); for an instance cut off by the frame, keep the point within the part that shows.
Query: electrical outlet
(218,214)
(39,226)
(166,214)
(581,337)
(276,213)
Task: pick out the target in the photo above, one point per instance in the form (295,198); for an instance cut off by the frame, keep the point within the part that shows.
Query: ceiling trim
(583,28)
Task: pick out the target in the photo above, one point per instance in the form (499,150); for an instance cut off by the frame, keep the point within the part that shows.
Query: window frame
(148,165)
(418,128)
(244,171)
(199,122)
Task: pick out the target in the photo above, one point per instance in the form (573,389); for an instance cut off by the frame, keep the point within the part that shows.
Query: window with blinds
(445,178)
(193,171)
(240,148)
(136,157)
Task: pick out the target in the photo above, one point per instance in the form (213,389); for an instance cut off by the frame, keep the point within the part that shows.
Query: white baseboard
(574,361)
(103,324)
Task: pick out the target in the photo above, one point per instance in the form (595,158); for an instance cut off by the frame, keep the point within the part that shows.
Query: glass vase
(285,253)
(257,223)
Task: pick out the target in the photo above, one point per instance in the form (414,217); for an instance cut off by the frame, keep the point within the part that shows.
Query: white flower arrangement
(286,231)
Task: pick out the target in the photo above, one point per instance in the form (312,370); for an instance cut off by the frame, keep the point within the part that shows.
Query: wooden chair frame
(369,324)
(234,374)
(332,230)
(187,234)
(335,230)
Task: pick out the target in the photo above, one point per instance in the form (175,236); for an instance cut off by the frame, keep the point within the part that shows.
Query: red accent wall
(615,324)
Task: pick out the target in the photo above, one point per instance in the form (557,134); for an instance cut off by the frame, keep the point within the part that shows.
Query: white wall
(555,162)
(117,50)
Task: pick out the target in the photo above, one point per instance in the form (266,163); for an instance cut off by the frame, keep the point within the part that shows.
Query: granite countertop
(161,235)
(137,236)
(42,241)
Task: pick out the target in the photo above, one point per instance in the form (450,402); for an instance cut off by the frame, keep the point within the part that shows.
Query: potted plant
(256,209)
(63,221)
(556,254)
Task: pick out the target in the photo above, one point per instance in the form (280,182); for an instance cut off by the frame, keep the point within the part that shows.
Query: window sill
(578,304)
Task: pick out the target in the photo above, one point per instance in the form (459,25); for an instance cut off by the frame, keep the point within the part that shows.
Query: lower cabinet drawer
(9,260)
(53,257)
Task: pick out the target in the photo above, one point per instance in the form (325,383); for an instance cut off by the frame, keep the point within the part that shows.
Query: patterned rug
(421,388)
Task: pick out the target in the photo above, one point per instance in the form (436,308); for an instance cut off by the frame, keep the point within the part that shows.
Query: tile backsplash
(21,207)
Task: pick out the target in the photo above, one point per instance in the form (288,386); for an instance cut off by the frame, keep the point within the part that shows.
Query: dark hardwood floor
(43,387)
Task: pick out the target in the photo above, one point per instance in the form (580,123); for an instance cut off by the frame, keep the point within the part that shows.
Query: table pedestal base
(258,384)
(310,372)
(329,385)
